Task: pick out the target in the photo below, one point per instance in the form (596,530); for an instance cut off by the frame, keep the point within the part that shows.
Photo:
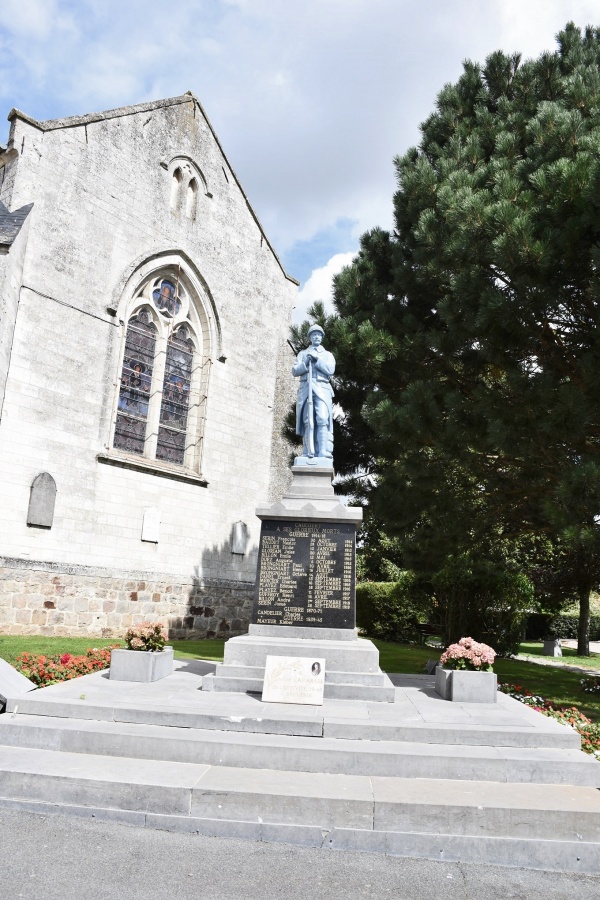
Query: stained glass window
(166,298)
(175,397)
(136,381)
(155,416)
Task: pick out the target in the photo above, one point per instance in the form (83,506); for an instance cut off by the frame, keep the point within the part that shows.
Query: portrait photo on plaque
(294,679)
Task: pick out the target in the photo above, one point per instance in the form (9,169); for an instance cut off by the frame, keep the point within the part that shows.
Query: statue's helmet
(315,328)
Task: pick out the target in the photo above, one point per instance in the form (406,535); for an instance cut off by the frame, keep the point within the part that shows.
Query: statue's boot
(324,442)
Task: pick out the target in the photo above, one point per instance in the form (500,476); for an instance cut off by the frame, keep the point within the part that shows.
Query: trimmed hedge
(545,625)
(393,610)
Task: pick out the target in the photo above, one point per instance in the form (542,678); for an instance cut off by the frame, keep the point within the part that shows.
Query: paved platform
(179,701)
(418,777)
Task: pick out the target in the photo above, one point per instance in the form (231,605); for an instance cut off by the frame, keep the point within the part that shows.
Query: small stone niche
(239,539)
(151,525)
(42,498)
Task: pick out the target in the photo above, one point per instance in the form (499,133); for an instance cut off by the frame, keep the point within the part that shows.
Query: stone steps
(510,824)
(257,672)
(420,777)
(533,730)
(334,688)
(351,663)
(408,759)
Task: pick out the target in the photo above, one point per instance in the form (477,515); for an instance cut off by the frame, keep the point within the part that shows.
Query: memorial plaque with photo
(306,575)
(294,679)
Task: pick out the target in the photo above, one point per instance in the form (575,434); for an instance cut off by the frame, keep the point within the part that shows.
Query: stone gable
(119,201)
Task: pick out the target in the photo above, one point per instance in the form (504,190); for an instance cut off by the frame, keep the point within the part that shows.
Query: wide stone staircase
(419,777)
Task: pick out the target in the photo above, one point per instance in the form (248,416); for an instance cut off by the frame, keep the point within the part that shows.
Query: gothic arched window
(176,180)
(190,199)
(162,376)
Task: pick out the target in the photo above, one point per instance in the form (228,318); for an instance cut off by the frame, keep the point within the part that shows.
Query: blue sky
(311,99)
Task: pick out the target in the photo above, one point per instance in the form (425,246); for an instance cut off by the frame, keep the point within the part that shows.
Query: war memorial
(298,736)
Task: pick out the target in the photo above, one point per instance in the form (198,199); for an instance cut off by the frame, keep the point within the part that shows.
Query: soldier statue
(314,406)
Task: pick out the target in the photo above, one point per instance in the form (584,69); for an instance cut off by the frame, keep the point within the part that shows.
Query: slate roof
(10,223)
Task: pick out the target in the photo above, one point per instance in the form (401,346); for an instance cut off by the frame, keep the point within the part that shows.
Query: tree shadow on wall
(219,600)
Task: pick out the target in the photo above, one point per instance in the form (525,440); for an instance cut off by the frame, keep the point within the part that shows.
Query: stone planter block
(462,686)
(552,647)
(443,682)
(139,665)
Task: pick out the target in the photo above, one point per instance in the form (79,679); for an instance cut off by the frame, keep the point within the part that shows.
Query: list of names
(306,575)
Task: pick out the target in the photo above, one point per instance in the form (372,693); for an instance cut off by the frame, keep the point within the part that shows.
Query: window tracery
(187,184)
(162,375)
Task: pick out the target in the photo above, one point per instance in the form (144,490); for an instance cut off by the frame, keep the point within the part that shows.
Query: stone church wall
(101,190)
(104,603)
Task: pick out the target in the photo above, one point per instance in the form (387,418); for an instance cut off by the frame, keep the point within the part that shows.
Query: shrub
(468,654)
(392,611)
(45,670)
(539,626)
(147,636)
(485,598)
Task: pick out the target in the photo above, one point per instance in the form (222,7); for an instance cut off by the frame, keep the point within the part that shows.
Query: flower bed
(591,685)
(566,715)
(45,670)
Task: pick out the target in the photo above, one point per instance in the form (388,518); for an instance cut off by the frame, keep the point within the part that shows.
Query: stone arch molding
(146,400)
(175,261)
(186,181)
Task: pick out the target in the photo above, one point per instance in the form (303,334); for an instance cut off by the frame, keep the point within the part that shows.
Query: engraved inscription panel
(306,575)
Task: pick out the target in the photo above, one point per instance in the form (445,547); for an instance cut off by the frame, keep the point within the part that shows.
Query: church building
(144,375)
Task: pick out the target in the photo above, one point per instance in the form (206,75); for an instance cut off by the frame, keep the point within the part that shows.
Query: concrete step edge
(26,723)
(546,855)
(334,727)
(387,791)
(385,692)
(298,753)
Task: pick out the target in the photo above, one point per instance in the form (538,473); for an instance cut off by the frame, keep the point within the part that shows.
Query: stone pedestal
(305,600)
(552,647)
(464,686)
(140,665)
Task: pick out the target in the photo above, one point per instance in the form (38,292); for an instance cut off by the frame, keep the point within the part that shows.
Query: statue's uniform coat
(323,369)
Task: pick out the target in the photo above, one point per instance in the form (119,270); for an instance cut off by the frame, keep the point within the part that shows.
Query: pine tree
(467,340)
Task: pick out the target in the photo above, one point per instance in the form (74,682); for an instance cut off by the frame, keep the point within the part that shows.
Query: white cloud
(29,19)
(320,285)
(311,100)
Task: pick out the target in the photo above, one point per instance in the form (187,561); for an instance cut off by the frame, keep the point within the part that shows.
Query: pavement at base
(56,858)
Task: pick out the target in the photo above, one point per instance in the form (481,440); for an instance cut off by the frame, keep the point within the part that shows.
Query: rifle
(311,422)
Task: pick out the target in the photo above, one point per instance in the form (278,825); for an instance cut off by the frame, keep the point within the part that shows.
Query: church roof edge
(189,97)
(119,112)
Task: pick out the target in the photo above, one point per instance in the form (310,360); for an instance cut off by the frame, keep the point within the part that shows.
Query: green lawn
(12,645)
(556,684)
(569,655)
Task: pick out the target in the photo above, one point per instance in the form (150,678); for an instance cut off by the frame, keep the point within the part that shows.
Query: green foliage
(483,599)
(392,611)
(379,556)
(541,626)
(467,341)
